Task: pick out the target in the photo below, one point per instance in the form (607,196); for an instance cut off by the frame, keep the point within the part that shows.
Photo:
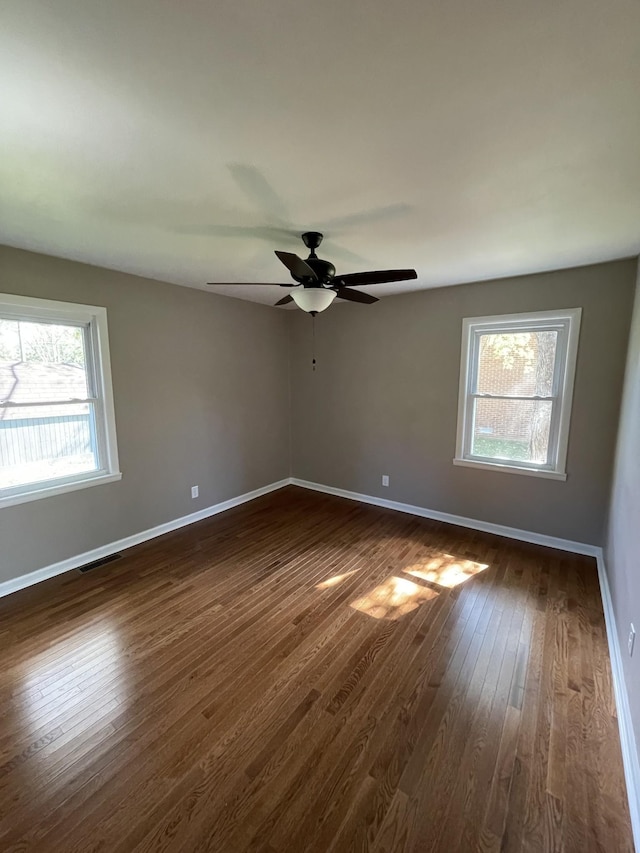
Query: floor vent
(97,563)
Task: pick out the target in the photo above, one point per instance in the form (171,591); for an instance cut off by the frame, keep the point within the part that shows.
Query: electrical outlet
(195,491)
(385,479)
(632,638)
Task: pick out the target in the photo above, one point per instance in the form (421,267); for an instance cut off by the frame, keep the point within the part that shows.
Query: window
(516,385)
(57,425)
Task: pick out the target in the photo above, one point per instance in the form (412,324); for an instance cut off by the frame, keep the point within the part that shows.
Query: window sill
(59,489)
(511,469)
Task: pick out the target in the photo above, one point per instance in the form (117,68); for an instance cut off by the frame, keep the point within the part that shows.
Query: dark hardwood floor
(305,673)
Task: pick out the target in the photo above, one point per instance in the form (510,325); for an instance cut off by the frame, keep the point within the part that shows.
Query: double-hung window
(516,386)
(57,424)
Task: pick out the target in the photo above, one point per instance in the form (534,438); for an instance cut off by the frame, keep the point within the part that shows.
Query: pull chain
(313,322)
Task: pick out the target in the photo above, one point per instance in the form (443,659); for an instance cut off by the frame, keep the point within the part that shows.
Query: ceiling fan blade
(284,301)
(356,296)
(376,277)
(296,265)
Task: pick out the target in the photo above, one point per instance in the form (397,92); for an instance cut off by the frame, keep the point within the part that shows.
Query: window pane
(517,430)
(44,443)
(518,364)
(41,361)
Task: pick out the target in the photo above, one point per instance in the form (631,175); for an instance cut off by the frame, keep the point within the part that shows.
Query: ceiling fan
(318,285)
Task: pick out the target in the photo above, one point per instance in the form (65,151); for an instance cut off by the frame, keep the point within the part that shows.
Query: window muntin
(57,428)
(515,391)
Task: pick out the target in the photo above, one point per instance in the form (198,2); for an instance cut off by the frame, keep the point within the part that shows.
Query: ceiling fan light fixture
(313,299)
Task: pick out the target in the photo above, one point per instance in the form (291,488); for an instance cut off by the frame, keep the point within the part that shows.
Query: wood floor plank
(305,673)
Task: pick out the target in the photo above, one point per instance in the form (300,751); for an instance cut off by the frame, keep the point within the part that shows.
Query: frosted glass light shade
(313,298)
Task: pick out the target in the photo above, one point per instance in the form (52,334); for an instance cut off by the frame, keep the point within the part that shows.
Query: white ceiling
(468,139)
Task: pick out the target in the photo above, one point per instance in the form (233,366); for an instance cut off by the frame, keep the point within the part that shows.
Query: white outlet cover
(632,638)
(195,491)
(385,479)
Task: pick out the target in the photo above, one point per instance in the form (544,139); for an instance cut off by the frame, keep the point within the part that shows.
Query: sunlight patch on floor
(445,570)
(335,580)
(393,598)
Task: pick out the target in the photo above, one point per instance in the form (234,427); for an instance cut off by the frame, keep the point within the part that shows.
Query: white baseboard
(474,524)
(630,757)
(13,585)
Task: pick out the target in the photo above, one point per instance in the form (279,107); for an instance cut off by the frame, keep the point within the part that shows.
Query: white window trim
(29,308)
(567,364)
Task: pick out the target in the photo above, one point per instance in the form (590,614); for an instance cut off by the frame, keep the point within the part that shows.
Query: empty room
(319,427)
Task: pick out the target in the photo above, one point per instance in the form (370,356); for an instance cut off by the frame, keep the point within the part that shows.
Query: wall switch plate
(385,479)
(195,491)
(632,638)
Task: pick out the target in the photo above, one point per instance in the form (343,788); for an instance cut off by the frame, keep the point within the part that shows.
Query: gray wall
(201,392)
(202,395)
(383,400)
(622,550)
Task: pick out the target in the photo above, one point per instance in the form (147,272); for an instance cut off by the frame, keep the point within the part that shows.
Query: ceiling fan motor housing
(324,270)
